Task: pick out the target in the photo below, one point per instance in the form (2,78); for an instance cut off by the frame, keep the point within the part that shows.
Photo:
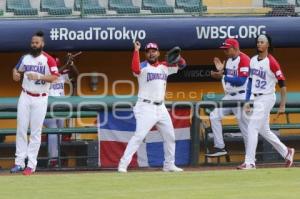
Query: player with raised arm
(39,71)
(265,73)
(150,109)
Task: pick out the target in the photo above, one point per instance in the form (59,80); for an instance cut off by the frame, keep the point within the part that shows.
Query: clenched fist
(137,45)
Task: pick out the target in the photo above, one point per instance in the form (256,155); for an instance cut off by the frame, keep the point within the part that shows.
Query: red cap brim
(225,47)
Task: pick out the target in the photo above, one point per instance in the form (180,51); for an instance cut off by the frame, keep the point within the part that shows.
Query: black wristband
(281,83)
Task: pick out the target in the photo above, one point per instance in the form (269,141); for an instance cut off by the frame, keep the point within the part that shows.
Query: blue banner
(190,33)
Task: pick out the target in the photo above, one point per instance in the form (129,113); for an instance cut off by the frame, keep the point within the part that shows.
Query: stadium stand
(269,3)
(280,8)
(235,8)
(85,8)
(123,6)
(55,7)
(20,7)
(157,6)
(191,5)
(89,7)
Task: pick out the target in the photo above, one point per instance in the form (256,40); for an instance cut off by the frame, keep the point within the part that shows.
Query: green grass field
(225,184)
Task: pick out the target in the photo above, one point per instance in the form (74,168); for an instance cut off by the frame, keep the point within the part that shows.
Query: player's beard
(152,60)
(36,51)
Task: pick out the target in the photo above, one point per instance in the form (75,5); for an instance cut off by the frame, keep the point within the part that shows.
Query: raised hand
(137,45)
(219,65)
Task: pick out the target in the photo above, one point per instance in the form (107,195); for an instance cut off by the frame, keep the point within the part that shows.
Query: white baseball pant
(259,124)
(219,113)
(149,115)
(31,112)
(53,138)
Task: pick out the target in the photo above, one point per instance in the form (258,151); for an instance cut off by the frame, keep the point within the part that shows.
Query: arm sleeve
(52,66)
(20,65)
(235,81)
(275,68)
(248,90)
(244,66)
(135,65)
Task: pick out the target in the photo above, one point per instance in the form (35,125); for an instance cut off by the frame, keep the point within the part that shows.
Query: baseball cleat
(172,168)
(16,169)
(289,159)
(28,171)
(217,152)
(122,168)
(245,166)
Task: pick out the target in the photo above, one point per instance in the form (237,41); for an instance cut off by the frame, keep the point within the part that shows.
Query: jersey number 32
(260,84)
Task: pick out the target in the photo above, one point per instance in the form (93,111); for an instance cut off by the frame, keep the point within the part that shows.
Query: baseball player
(56,89)
(265,73)
(39,70)
(234,79)
(150,109)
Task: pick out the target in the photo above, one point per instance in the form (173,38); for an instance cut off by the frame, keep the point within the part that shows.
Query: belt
(257,94)
(152,102)
(239,92)
(34,94)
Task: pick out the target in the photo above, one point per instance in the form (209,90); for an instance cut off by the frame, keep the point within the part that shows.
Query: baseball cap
(230,43)
(151,46)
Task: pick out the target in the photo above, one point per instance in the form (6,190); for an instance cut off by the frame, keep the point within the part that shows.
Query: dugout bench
(233,129)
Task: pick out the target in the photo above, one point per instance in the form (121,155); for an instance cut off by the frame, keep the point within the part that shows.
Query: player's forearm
(135,65)
(16,75)
(283,96)
(48,78)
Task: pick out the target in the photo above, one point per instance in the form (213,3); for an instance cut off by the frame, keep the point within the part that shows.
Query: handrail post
(195,138)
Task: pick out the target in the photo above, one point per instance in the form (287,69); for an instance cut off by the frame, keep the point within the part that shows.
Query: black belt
(239,92)
(152,102)
(257,94)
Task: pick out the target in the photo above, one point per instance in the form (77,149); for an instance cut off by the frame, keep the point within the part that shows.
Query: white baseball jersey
(152,80)
(57,88)
(44,64)
(265,73)
(237,67)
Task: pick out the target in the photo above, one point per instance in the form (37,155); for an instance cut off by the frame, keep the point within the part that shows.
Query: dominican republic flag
(115,133)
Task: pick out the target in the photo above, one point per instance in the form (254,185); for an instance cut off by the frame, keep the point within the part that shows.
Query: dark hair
(271,48)
(39,33)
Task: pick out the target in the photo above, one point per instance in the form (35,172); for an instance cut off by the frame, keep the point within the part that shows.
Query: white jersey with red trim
(43,64)
(152,80)
(265,73)
(237,67)
(57,88)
